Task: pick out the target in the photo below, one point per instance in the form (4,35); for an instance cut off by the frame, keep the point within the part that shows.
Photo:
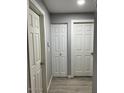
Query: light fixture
(80,2)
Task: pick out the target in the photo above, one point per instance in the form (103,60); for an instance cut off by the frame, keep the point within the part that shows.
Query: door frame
(72,23)
(33,5)
(66,46)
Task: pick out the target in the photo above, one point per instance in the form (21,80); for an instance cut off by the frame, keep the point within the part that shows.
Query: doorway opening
(36,49)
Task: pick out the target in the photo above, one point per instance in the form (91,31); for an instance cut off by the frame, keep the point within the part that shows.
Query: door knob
(60,54)
(42,63)
(92,53)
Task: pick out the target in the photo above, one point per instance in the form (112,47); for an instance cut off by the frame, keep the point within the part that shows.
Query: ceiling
(69,6)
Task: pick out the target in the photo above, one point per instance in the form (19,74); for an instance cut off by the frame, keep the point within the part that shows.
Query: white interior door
(82,49)
(34,52)
(59,49)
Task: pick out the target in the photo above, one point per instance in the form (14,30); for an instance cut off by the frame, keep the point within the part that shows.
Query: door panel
(63,67)
(56,66)
(82,48)
(88,65)
(33,86)
(37,48)
(39,82)
(78,63)
(59,49)
(34,52)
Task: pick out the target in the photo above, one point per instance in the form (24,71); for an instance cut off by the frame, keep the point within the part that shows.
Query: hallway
(61,44)
(74,85)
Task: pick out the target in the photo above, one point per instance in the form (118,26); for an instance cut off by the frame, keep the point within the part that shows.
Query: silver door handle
(60,54)
(92,53)
(42,63)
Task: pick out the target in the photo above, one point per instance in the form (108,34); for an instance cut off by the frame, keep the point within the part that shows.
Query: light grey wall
(47,18)
(66,18)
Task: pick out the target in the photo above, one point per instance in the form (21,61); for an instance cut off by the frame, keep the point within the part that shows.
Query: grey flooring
(74,85)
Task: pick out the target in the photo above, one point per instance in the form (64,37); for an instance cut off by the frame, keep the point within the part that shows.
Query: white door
(82,49)
(59,49)
(34,52)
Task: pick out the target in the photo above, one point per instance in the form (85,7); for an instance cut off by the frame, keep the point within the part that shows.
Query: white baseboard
(49,83)
(70,76)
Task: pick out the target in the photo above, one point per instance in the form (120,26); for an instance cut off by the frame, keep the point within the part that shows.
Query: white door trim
(32,4)
(72,22)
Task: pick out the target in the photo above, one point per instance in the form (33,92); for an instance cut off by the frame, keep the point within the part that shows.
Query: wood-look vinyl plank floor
(74,85)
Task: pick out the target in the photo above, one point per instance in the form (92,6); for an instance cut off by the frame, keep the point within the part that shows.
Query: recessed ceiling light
(80,2)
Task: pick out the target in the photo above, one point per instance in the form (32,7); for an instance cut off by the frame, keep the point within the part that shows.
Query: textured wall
(66,18)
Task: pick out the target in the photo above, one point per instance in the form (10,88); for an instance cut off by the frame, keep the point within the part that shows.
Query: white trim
(49,83)
(72,22)
(88,20)
(70,76)
(38,7)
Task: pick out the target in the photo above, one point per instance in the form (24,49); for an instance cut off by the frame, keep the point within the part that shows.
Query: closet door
(82,49)
(59,49)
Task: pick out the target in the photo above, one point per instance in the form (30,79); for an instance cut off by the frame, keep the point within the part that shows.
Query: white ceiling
(69,6)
